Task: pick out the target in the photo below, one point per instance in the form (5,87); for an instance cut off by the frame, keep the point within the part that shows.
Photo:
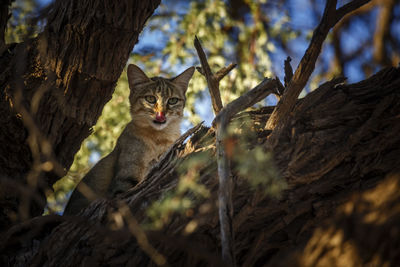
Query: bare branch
(265,88)
(225,206)
(347,8)
(221,122)
(307,64)
(382,33)
(288,72)
(224,115)
(280,89)
(224,71)
(212,79)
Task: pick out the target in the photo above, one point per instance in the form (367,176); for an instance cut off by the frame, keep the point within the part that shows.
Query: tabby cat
(156,107)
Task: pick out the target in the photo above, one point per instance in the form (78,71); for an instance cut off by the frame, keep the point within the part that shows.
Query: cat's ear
(182,80)
(136,76)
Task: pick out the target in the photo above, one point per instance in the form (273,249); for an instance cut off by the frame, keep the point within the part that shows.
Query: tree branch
(347,8)
(265,88)
(307,64)
(288,72)
(212,79)
(224,71)
(382,33)
(221,123)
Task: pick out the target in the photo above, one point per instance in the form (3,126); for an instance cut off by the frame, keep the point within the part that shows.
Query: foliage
(253,162)
(226,36)
(114,117)
(258,35)
(19,25)
(188,191)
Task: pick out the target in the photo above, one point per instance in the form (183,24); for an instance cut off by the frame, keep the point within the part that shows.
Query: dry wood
(225,206)
(224,71)
(382,33)
(224,115)
(325,153)
(224,173)
(288,72)
(212,79)
(221,123)
(307,64)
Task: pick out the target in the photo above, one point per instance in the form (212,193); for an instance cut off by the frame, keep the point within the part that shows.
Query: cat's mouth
(160,118)
(159,122)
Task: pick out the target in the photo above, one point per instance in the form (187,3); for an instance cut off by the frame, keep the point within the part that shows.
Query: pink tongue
(160,117)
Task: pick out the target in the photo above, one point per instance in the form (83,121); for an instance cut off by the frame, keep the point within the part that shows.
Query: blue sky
(301,19)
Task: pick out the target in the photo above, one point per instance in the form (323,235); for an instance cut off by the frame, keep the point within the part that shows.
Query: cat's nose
(160,117)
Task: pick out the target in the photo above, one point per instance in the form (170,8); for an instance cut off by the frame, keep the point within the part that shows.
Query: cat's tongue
(160,117)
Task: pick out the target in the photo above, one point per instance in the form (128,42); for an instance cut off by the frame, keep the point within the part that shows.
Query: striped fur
(143,112)
(154,127)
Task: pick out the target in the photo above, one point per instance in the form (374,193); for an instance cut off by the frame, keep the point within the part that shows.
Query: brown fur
(141,143)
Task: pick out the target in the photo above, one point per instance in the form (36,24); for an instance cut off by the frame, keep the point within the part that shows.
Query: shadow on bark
(334,151)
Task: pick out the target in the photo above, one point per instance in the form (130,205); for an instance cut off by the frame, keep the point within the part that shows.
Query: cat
(156,107)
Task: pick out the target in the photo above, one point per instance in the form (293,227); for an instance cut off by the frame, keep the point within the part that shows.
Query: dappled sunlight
(359,234)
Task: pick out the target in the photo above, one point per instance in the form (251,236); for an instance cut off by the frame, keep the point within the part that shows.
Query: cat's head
(157,102)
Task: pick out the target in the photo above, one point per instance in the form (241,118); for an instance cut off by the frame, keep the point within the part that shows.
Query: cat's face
(157,102)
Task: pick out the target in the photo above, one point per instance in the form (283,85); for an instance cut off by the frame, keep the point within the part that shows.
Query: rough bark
(53,89)
(341,139)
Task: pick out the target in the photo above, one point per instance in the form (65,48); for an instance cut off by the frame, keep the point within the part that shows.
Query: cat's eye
(173,101)
(151,99)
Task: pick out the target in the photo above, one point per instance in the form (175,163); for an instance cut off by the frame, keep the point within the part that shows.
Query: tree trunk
(336,148)
(53,89)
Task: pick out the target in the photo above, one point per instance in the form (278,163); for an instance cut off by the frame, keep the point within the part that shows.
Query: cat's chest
(154,144)
(156,148)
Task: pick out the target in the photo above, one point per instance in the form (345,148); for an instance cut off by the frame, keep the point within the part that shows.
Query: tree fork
(307,64)
(220,123)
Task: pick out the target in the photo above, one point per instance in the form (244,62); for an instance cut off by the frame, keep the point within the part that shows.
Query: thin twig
(307,64)
(280,89)
(288,72)
(212,79)
(136,230)
(266,87)
(224,71)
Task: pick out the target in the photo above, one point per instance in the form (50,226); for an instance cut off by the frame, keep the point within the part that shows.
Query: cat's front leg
(129,171)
